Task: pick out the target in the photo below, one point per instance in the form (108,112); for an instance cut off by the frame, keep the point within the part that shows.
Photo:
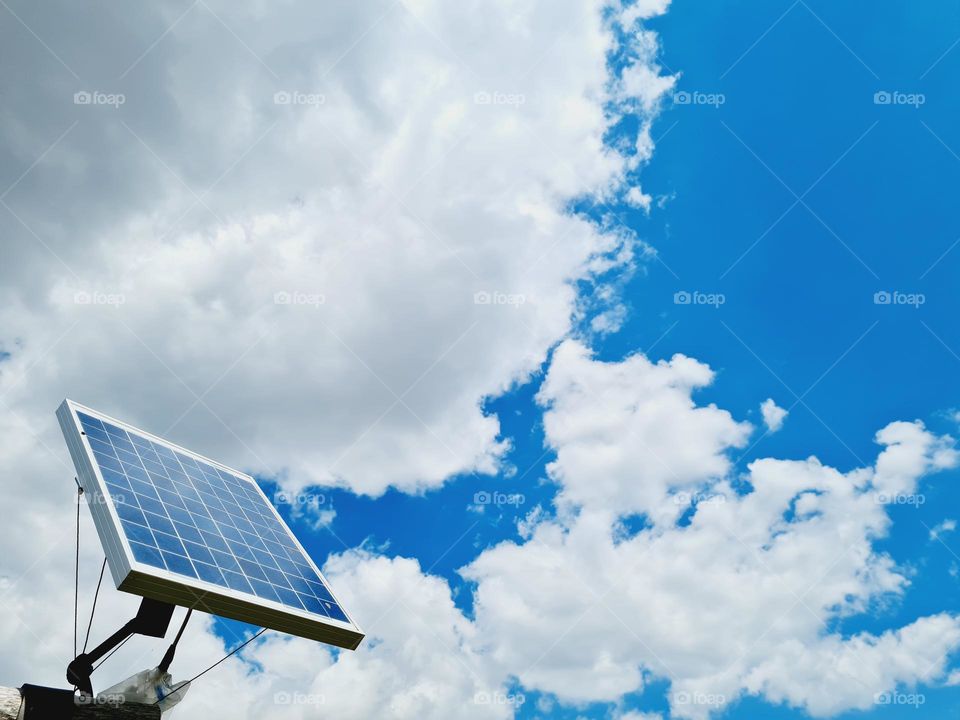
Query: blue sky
(799,323)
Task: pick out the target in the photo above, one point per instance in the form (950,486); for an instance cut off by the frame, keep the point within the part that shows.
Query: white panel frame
(137,578)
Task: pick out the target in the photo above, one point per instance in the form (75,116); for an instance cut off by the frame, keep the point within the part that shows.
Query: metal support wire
(93,609)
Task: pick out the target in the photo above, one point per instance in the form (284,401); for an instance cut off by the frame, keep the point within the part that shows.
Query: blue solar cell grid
(186,516)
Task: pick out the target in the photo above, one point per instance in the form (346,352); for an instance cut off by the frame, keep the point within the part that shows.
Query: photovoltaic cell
(181,514)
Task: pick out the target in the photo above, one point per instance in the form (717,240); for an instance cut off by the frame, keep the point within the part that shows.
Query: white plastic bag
(149,687)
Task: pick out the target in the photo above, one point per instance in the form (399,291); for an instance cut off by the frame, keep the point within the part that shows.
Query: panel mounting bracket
(152,620)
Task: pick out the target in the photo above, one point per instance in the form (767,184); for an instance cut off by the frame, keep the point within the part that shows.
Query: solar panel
(183,529)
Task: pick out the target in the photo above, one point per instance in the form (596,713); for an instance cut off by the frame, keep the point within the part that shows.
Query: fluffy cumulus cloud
(310,238)
(613,421)
(773,415)
(942,528)
(731,586)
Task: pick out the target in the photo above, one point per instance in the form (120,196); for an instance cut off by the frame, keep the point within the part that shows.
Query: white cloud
(639,199)
(378,253)
(641,85)
(910,451)
(631,12)
(317,517)
(736,602)
(942,528)
(773,415)
(819,677)
(637,404)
